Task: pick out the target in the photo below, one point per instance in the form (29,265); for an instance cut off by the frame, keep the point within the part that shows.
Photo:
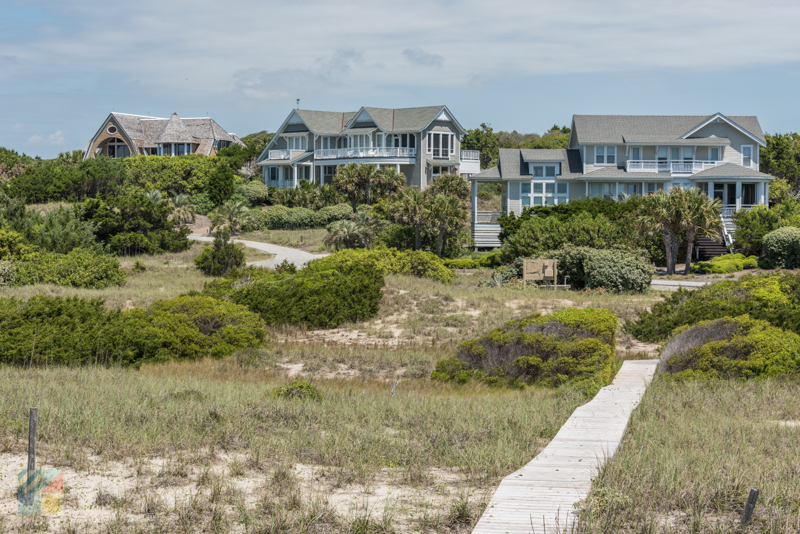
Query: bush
(324,294)
(727,263)
(220,184)
(772,297)
(487,261)
(86,268)
(617,272)
(283,218)
(221,257)
(299,389)
(13,246)
(393,261)
(8,273)
(752,225)
(330,214)
(575,347)
(256,192)
(52,180)
(782,248)
(739,347)
(59,330)
(186,174)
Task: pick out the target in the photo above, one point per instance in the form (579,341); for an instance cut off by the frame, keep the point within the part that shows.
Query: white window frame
(277,174)
(639,157)
(719,153)
(302,142)
(601,193)
(605,155)
(451,146)
(750,166)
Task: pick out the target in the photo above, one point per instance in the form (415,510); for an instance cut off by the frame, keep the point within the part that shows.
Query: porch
(671,167)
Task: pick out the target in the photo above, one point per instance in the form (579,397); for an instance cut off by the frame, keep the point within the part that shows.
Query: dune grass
(693,451)
(310,239)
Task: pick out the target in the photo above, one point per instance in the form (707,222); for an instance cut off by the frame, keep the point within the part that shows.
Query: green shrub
(739,347)
(255,192)
(330,214)
(299,389)
(324,294)
(772,297)
(752,225)
(727,263)
(283,218)
(393,261)
(618,272)
(75,331)
(575,347)
(53,180)
(202,203)
(186,174)
(139,267)
(13,246)
(221,257)
(85,268)
(782,248)
(8,273)
(489,260)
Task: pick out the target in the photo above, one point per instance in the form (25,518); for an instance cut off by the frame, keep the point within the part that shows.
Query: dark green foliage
(86,268)
(782,248)
(752,225)
(772,297)
(134,225)
(727,263)
(307,196)
(280,217)
(220,185)
(221,257)
(487,261)
(780,158)
(299,389)
(75,331)
(256,192)
(617,271)
(739,347)
(392,261)
(52,180)
(575,347)
(325,294)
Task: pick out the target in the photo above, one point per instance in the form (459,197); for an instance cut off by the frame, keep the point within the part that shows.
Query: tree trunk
(690,234)
(666,235)
(353,201)
(440,242)
(369,184)
(417,231)
(675,239)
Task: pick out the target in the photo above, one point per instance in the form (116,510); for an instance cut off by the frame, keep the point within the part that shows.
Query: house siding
(733,152)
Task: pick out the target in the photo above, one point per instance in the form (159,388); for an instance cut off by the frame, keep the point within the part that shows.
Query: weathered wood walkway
(538,498)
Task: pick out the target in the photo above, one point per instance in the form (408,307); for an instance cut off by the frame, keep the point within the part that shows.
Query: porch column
(587,190)
(766,193)
(738,195)
(474,199)
(398,167)
(642,191)
(294,175)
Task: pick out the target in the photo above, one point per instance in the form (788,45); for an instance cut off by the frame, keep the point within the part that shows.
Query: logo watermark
(41,492)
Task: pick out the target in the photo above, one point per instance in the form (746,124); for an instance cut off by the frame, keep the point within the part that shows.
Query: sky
(523,65)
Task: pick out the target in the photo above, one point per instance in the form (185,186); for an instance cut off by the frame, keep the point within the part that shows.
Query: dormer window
(605,155)
(297,143)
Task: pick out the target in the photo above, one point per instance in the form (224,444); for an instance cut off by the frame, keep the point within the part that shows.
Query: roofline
(277,132)
(452,119)
(119,128)
(729,121)
(571,131)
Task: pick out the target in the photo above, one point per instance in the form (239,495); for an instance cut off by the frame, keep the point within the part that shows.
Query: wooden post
(34,416)
(749,506)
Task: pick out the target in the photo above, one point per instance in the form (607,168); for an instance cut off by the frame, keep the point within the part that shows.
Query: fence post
(749,506)
(30,478)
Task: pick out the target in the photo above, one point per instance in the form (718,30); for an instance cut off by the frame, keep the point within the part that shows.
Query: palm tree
(232,212)
(348,181)
(183,211)
(662,212)
(154,195)
(700,216)
(445,213)
(451,185)
(342,234)
(411,209)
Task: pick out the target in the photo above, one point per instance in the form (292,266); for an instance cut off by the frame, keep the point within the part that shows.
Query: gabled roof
(325,122)
(512,163)
(175,132)
(666,129)
(543,154)
(730,170)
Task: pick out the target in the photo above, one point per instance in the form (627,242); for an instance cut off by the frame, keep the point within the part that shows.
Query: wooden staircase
(708,248)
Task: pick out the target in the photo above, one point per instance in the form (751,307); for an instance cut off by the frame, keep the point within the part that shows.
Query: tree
(411,209)
(220,184)
(451,185)
(154,195)
(234,213)
(221,257)
(484,140)
(781,157)
(342,234)
(446,214)
(348,180)
(700,216)
(183,211)
(662,213)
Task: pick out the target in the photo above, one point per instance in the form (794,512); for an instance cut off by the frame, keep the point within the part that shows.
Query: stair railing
(727,237)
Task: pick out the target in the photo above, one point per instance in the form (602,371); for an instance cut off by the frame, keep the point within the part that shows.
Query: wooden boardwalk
(538,498)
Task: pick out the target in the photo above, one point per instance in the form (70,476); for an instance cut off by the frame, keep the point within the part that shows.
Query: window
(117,148)
(538,172)
(605,190)
(605,155)
(440,145)
(328,172)
(297,143)
(675,154)
(440,170)
(328,143)
(688,153)
(719,191)
(562,193)
(379,140)
(747,155)
(112,130)
(703,187)
(636,154)
(525,194)
(547,171)
(748,194)
(662,153)
(652,188)
(404,141)
(360,141)
(544,193)
(181,149)
(713,154)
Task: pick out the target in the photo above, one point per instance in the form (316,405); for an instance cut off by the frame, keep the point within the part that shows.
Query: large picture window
(441,145)
(297,143)
(605,155)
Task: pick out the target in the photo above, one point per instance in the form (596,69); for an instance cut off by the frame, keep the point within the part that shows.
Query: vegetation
(363,183)
(220,185)
(752,225)
(84,268)
(297,389)
(772,297)
(220,258)
(727,263)
(738,347)
(490,142)
(392,261)
(782,248)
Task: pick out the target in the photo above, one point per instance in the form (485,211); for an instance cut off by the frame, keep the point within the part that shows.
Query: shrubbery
(256,192)
(325,294)
(86,268)
(728,263)
(74,331)
(575,347)
(739,347)
(772,297)
(393,261)
(299,389)
(782,248)
(221,257)
(752,225)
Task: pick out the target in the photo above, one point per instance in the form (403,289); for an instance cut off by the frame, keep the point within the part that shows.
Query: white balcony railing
(470,155)
(673,167)
(371,152)
(487,217)
(280,154)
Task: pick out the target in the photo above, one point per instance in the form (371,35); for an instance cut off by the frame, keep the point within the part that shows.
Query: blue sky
(517,65)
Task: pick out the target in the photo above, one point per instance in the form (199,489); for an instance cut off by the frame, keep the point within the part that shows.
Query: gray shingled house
(123,135)
(419,142)
(613,156)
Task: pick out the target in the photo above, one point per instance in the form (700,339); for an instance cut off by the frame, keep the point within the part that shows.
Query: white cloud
(57,138)
(419,57)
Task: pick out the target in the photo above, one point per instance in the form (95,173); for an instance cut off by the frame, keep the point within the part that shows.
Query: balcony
(364,152)
(470,155)
(672,167)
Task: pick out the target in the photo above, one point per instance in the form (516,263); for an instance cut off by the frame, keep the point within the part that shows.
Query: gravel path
(296,256)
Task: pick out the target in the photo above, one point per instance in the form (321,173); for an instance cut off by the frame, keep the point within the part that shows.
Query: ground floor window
(606,190)
(273,174)
(630,190)
(440,170)
(652,188)
(117,148)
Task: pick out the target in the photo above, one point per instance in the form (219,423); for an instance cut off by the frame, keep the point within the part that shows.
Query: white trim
(730,122)
(741,152)
(461,129)
(605,156)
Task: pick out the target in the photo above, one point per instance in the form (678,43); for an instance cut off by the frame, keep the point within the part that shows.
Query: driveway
(298,257)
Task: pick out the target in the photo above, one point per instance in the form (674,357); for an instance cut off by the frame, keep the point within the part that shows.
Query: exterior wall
(104,136)
(514,201)
(732,153)
(577,189)
(589,161)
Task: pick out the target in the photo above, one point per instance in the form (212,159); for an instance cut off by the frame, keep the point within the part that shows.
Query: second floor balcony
(365,152)
(284,153)
(672,167)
